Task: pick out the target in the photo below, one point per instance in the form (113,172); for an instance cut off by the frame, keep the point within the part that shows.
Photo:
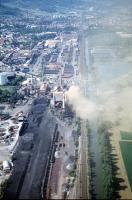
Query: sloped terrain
(30,158)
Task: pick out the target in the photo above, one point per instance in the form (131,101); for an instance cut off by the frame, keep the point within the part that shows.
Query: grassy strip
(126,149)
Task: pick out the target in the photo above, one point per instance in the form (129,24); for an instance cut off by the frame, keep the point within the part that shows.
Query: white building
(6,166)
(59,99)
(3,78)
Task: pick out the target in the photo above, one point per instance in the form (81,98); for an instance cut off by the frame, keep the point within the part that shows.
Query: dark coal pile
(32,154)
(69,113)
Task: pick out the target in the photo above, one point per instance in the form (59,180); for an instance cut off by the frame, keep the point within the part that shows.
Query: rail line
(44,186)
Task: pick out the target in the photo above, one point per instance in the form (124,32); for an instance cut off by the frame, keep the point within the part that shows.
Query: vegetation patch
(108,173)
(126,150)
(77,133)
(72,173)
(10,93)
(7,88)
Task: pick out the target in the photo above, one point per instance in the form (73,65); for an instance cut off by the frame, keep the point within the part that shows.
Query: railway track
(45,186)
(82,180)
(83,164)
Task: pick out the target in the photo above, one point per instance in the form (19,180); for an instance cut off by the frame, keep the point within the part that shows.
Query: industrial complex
(65,99)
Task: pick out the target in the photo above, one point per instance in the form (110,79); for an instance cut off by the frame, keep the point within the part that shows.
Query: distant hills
(7,10)
(7,6)
(13,7)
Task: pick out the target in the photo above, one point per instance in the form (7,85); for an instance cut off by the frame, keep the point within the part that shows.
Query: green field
(126,150)
(126,135)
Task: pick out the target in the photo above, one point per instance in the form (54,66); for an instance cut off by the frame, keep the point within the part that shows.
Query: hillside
(7,10)
(57,5)
(44,5)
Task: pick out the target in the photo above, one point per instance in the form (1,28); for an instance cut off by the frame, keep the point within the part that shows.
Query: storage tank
(58,154)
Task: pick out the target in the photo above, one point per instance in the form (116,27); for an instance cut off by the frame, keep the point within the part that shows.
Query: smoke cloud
(84,108)
(112,105)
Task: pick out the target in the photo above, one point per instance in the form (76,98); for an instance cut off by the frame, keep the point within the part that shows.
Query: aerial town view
(65,99)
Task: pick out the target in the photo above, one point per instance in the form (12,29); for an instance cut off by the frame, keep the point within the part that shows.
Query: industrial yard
(32,145)
(38,123)
(65,100)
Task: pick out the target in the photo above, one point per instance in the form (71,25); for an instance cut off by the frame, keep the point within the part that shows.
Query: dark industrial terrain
(30,158)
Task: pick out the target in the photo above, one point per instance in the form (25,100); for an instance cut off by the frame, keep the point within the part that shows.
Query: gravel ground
(31,154)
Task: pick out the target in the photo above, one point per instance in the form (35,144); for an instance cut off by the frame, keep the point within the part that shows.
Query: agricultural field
(126,150)
(112,54)
(126,135)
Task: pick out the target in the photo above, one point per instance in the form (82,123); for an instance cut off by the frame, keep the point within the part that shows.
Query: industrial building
(6,166)
(59,99)
(51,43)
(68,71)
(50,71)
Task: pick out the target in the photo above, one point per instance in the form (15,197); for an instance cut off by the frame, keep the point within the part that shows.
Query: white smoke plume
(112,106)
(83,107)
